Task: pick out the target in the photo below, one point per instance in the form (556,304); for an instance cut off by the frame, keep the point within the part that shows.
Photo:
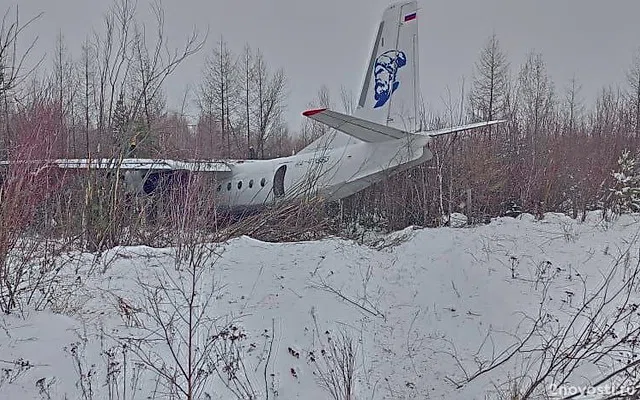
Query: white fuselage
(332,174)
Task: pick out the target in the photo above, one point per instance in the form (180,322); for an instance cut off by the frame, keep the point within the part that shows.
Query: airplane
(380,138)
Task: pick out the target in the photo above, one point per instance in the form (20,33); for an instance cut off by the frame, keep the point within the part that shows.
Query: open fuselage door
(278,182)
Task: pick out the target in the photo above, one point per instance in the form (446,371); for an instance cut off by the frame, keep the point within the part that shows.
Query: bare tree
(335,363)
(605,118)
(269,99)
(247,80)
(536,95)
(87,74)
(490,83)
(66,83)
(312,130)
(123,72)
(536,101)
(154,64)
(179,337)
(13,70)
(176,321)
(324,97)
(573,105)
(133,64)
(348,100)
(633,77)
(112,51)
(218,94)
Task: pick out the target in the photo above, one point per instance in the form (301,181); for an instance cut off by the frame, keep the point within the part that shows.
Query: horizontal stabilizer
(366,131)
(461,128)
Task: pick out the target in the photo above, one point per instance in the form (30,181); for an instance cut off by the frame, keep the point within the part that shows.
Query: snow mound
(421,310)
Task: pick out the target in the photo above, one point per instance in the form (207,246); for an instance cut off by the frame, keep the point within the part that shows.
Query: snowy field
(422,313)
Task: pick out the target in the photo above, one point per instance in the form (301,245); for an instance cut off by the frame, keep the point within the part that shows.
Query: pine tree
(625,195)
(490,82)
(119,125)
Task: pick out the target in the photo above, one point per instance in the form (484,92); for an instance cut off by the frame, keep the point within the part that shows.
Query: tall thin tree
(490,83)
(633,77)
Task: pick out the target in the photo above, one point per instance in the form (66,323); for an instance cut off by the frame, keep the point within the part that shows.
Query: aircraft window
(229,186)
(250,183)
(239,184)
(263,182)
(219,188)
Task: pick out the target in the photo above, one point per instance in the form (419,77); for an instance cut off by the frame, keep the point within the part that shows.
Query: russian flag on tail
(410,17)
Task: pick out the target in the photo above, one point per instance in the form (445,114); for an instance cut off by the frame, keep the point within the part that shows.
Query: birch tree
(219,90)
(269,100)
(536,94)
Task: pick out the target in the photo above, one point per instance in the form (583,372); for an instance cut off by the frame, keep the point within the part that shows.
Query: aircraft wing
(454,129)
(366,131)
(134,164)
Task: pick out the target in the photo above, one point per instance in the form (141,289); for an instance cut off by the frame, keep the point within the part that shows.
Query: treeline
(109,98)
(108,101)
(554,154)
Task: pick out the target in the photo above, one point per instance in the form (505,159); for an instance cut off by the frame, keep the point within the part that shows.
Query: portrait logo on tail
(385,73)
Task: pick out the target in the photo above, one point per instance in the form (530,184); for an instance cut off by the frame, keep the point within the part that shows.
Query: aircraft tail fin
(389,94)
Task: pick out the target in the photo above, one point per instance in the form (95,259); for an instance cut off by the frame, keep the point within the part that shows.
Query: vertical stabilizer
(390,89)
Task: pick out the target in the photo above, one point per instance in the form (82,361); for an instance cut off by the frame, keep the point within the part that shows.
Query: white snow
(410,301)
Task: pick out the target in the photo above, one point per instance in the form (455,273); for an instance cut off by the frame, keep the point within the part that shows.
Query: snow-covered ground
(424,308)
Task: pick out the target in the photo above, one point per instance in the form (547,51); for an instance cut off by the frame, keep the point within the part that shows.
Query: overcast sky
(328,42)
